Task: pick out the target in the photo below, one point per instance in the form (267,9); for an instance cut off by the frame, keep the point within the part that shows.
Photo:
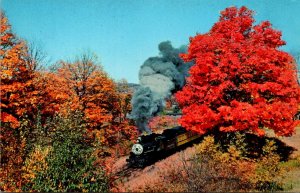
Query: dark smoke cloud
(159,77)
(145,107)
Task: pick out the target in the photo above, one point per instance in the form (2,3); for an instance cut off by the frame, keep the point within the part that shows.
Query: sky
(124,33)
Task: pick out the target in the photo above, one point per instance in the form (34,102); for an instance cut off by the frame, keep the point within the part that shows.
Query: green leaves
(71,163)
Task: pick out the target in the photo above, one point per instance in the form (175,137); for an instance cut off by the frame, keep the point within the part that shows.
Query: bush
(70,164)
(207,170)
(269,172)
(35,163)
(211,168)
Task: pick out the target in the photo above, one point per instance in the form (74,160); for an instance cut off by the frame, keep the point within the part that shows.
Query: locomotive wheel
(141,163)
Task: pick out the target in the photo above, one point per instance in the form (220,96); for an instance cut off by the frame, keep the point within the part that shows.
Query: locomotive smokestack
(159,78)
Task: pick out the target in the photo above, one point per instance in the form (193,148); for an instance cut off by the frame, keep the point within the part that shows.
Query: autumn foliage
(63,128)
(16,82)
(160,123)
(96,95)
(241,81)
(31,98)
(208,168)
(16,78)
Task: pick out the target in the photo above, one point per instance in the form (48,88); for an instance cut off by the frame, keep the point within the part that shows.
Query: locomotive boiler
(150,148)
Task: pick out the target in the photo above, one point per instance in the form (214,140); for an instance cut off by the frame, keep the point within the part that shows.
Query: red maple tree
(241,81)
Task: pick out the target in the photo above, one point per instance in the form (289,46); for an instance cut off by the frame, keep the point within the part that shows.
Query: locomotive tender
(151,147)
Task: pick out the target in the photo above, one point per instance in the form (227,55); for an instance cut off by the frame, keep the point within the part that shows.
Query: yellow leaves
(268,167)
(207,145)
(100,136)
(234,152)
(35,163)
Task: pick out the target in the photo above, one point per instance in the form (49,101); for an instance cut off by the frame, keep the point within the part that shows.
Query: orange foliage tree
(125,126)
(52,95)
(16,83)
(24,93)
(241,81)
(16,76)
(27,93)
(97,96)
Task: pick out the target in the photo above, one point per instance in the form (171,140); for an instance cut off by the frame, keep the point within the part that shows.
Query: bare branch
(36,58)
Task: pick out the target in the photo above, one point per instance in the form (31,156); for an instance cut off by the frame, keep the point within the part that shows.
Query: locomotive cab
(151,147)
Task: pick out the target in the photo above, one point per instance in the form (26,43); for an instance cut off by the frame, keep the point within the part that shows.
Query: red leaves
(198,118)
(7,118)
(263,34)
(240,80)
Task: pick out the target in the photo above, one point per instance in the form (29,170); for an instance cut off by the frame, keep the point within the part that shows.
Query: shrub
(35,163)
(213,168)
(208,170)
(70,164)
(269,172)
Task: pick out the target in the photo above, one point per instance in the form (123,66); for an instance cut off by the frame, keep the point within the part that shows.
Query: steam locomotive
(150,148)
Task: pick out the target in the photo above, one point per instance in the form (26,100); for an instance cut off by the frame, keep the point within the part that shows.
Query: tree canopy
(241,81)
(32,97)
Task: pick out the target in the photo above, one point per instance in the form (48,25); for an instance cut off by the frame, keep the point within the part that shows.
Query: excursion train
(152,147)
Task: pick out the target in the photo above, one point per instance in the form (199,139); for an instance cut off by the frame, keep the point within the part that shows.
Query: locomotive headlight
(137,149)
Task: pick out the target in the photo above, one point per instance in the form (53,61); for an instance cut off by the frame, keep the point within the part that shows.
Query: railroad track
(127,171)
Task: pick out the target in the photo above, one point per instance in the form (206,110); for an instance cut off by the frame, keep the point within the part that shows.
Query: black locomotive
(150,148)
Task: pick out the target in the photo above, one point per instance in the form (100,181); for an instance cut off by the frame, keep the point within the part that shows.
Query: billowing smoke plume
(159,78)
